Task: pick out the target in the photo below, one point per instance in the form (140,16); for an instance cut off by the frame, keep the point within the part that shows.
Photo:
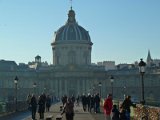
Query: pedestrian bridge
(8,112)
(54,111)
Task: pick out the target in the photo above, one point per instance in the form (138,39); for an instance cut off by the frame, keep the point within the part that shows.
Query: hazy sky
(121,30)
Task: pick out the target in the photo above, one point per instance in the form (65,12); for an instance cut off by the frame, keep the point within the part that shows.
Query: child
(122,115)
(115,113)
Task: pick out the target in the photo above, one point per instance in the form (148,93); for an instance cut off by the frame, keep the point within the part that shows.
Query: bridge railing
(144,112)
(9,107)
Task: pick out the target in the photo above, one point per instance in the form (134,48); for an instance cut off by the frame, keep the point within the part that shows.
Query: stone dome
(72,44)
(71,30)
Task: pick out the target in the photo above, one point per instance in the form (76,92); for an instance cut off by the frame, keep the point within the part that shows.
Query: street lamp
(142,65)
(100,85)
(112,80)
(44,89)
(34,87)
(93,90)
(16,83)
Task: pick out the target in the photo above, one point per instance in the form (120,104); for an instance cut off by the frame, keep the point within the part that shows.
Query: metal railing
(9,107)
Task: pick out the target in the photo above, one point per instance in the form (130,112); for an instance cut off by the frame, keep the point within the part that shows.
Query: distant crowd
(90,103)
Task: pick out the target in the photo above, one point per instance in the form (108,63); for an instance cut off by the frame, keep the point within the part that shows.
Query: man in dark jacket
(48,103)
(33,104)
(69,109)
(41,109)
(97,103)
(84,102)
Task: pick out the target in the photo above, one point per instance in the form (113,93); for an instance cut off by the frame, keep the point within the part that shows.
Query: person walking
(48,103)
(97,103)
(69,109)
(89,102)
(92,103)
(108,104)
(127,103)
(41,109)
(77,100)
(84,102)
(33,103)
(64,99)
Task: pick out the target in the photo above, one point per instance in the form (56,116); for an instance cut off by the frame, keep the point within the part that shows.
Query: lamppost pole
(124,92)
(112,80)
(143,101)
(142,65)
(100,85)
(16,84)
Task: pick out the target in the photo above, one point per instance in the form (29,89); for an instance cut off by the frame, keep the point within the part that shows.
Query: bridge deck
(54,111)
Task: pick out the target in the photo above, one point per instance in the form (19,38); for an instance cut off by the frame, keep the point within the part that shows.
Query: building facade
(72,72)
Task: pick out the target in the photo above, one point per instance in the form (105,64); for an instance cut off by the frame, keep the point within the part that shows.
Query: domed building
(72,44)
(73,72)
